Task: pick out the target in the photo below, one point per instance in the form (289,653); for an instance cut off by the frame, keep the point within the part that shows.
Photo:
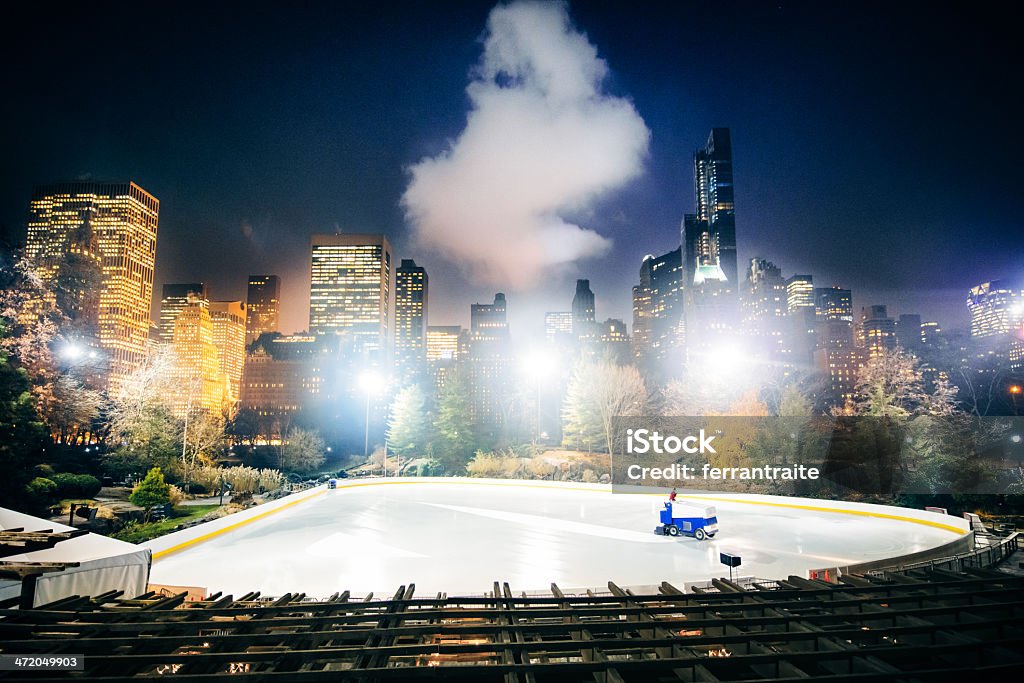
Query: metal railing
(980,558)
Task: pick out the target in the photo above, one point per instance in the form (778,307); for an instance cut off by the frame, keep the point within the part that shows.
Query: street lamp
(369,382)
(1015,392)
(538,364)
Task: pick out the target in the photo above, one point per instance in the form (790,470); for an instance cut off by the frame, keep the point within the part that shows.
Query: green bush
(76,485)
(151,491)
(42,489)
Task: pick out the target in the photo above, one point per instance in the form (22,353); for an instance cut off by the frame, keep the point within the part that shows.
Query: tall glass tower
(350,285)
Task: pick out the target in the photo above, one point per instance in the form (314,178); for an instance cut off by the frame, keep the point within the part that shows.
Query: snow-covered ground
(460,537)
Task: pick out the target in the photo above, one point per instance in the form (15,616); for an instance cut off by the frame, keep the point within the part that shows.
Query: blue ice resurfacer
(699,521)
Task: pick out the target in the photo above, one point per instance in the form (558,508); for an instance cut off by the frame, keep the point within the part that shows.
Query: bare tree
(889,385)
(598,393)
(73,408)
(303,451)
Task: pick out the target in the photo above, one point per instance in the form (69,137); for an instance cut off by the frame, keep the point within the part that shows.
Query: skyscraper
(489,359)
(658,323)
(557,326)
(199,382)
(996,308)
(262,306)
(799,293)
(908,332)
(710,233)
(489,322)
(583,311)
(229,321)
(350,285)
(833,303)
(410,317)
(708,248)
(122,221)
(174,297)
(877,331)
(765,311)
(765,296)
(443,342)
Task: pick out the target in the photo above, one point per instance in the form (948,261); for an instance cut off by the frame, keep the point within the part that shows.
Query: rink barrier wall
(960,546)
(180,540)
(186,538)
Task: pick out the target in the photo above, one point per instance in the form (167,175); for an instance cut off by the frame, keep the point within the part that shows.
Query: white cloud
(542,139)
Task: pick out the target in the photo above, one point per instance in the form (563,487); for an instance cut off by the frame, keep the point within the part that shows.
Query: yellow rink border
(232,527)
(440,480)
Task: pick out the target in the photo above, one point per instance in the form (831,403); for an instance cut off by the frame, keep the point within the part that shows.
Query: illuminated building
(557,326)
(443,342)
(833,303)
(174,297)
(583,311)
(708,248)
(930,333)
(122,218)
(262,306)
(350,286)
(443,350)
(410,318)
(837,357)
(996,308)
(876,332)
(199,382)
(764,309)
(799,293)
(282,375)
(641,322)
(765,295)
(658,322)
(613,340)
(714,241)
(229,322)
(489,360)
(997,320)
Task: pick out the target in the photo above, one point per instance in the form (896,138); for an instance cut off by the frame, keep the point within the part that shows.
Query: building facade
(200,385)
(583,311)
(350,288)
(489,360)
(173,298)
(996,308)
(229,329)
(411,289)
(122,219)
(262,306)
(799,293)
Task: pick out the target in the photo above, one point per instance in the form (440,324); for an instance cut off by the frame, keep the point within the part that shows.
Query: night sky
(877,148)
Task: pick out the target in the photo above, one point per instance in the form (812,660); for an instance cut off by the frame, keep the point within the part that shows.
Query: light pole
(1015,391)
(538,364)
(369,382)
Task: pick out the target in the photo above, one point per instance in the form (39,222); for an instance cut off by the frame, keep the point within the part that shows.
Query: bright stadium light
(538,364)
(370,382)
(72,351)
(723,362)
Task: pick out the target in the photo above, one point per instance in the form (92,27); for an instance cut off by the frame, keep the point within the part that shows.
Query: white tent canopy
(105,564)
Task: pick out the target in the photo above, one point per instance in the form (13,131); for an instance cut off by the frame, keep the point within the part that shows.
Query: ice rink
(461,537)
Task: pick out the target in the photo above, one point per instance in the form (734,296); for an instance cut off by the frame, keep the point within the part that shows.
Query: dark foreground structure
(921,625)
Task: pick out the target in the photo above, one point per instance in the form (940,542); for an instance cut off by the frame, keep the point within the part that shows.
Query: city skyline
(891,220)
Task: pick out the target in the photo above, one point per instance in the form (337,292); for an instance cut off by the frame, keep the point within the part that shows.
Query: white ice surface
(460,539)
